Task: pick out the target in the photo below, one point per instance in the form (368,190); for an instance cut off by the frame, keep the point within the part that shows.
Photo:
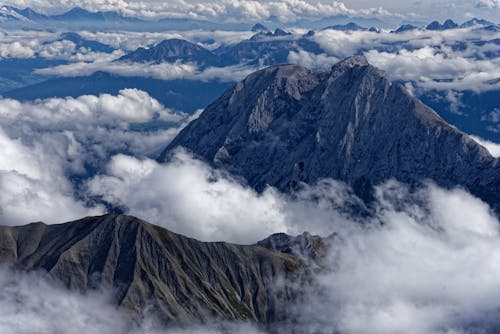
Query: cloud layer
(228,10)
(48,145)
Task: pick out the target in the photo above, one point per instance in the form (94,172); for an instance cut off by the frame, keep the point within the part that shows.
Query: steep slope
(285,125)
(172,50)
(185,279)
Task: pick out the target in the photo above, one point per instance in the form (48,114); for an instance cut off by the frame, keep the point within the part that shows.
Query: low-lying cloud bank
(47,146)
(162,71)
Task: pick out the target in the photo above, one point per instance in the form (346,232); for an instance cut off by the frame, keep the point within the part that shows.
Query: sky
(285,10)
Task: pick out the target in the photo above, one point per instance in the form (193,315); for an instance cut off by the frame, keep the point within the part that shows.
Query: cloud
(494,4)
(429,268)
(26,44)
(223,10)
(47,145)
(162,71)
(454,59)
(431,69)
(34,186)
(190,198)
(312,61)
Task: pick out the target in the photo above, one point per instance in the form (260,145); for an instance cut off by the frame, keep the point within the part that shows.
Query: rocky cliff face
(285,125)
(186,280)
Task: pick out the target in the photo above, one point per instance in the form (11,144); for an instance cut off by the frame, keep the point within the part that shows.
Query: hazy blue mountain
(80,14)
(476,22)
(448,24)
(342,19)
(351,26)
(8,13)
(405,27)
(266,49)
(176,94)
(258,27)
(172,50)
(18,72)
(81,42)
(284,125)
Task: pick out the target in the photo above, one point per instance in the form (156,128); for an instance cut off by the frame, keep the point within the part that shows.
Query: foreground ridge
(188,280)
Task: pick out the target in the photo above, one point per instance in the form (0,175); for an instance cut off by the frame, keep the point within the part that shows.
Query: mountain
(258,27)
(285,125)
(8,13)
(339,20)
(174,94)
(448,24)
(31,14)
(183,279)
(404,28)
(351,26)
(267,49)
(81,42)
(476,22)
(80,14)
(172,50)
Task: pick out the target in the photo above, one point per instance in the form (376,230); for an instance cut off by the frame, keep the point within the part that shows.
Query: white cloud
(34,186)
(223,10)
(312,61)
(162,71)
(493,4)
(44,143)
(432,69)
(44,44)
(430,268)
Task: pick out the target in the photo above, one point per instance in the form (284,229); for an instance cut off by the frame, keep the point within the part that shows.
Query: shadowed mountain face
(284,125)
(185,279)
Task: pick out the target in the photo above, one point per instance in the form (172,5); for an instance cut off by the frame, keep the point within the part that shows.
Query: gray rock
(284,125)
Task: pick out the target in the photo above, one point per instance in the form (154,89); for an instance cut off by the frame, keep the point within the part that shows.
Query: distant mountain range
(450,24)
(172,50)
(181,280)
(285,125)
(79,17)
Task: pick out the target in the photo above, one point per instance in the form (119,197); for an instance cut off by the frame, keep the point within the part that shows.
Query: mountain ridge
(185,280)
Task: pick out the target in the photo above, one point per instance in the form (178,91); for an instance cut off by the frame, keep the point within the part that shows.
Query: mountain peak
(350,62)
(259,27)
(285,125)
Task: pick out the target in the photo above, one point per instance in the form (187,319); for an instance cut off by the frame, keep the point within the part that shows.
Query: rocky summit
(285,125)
